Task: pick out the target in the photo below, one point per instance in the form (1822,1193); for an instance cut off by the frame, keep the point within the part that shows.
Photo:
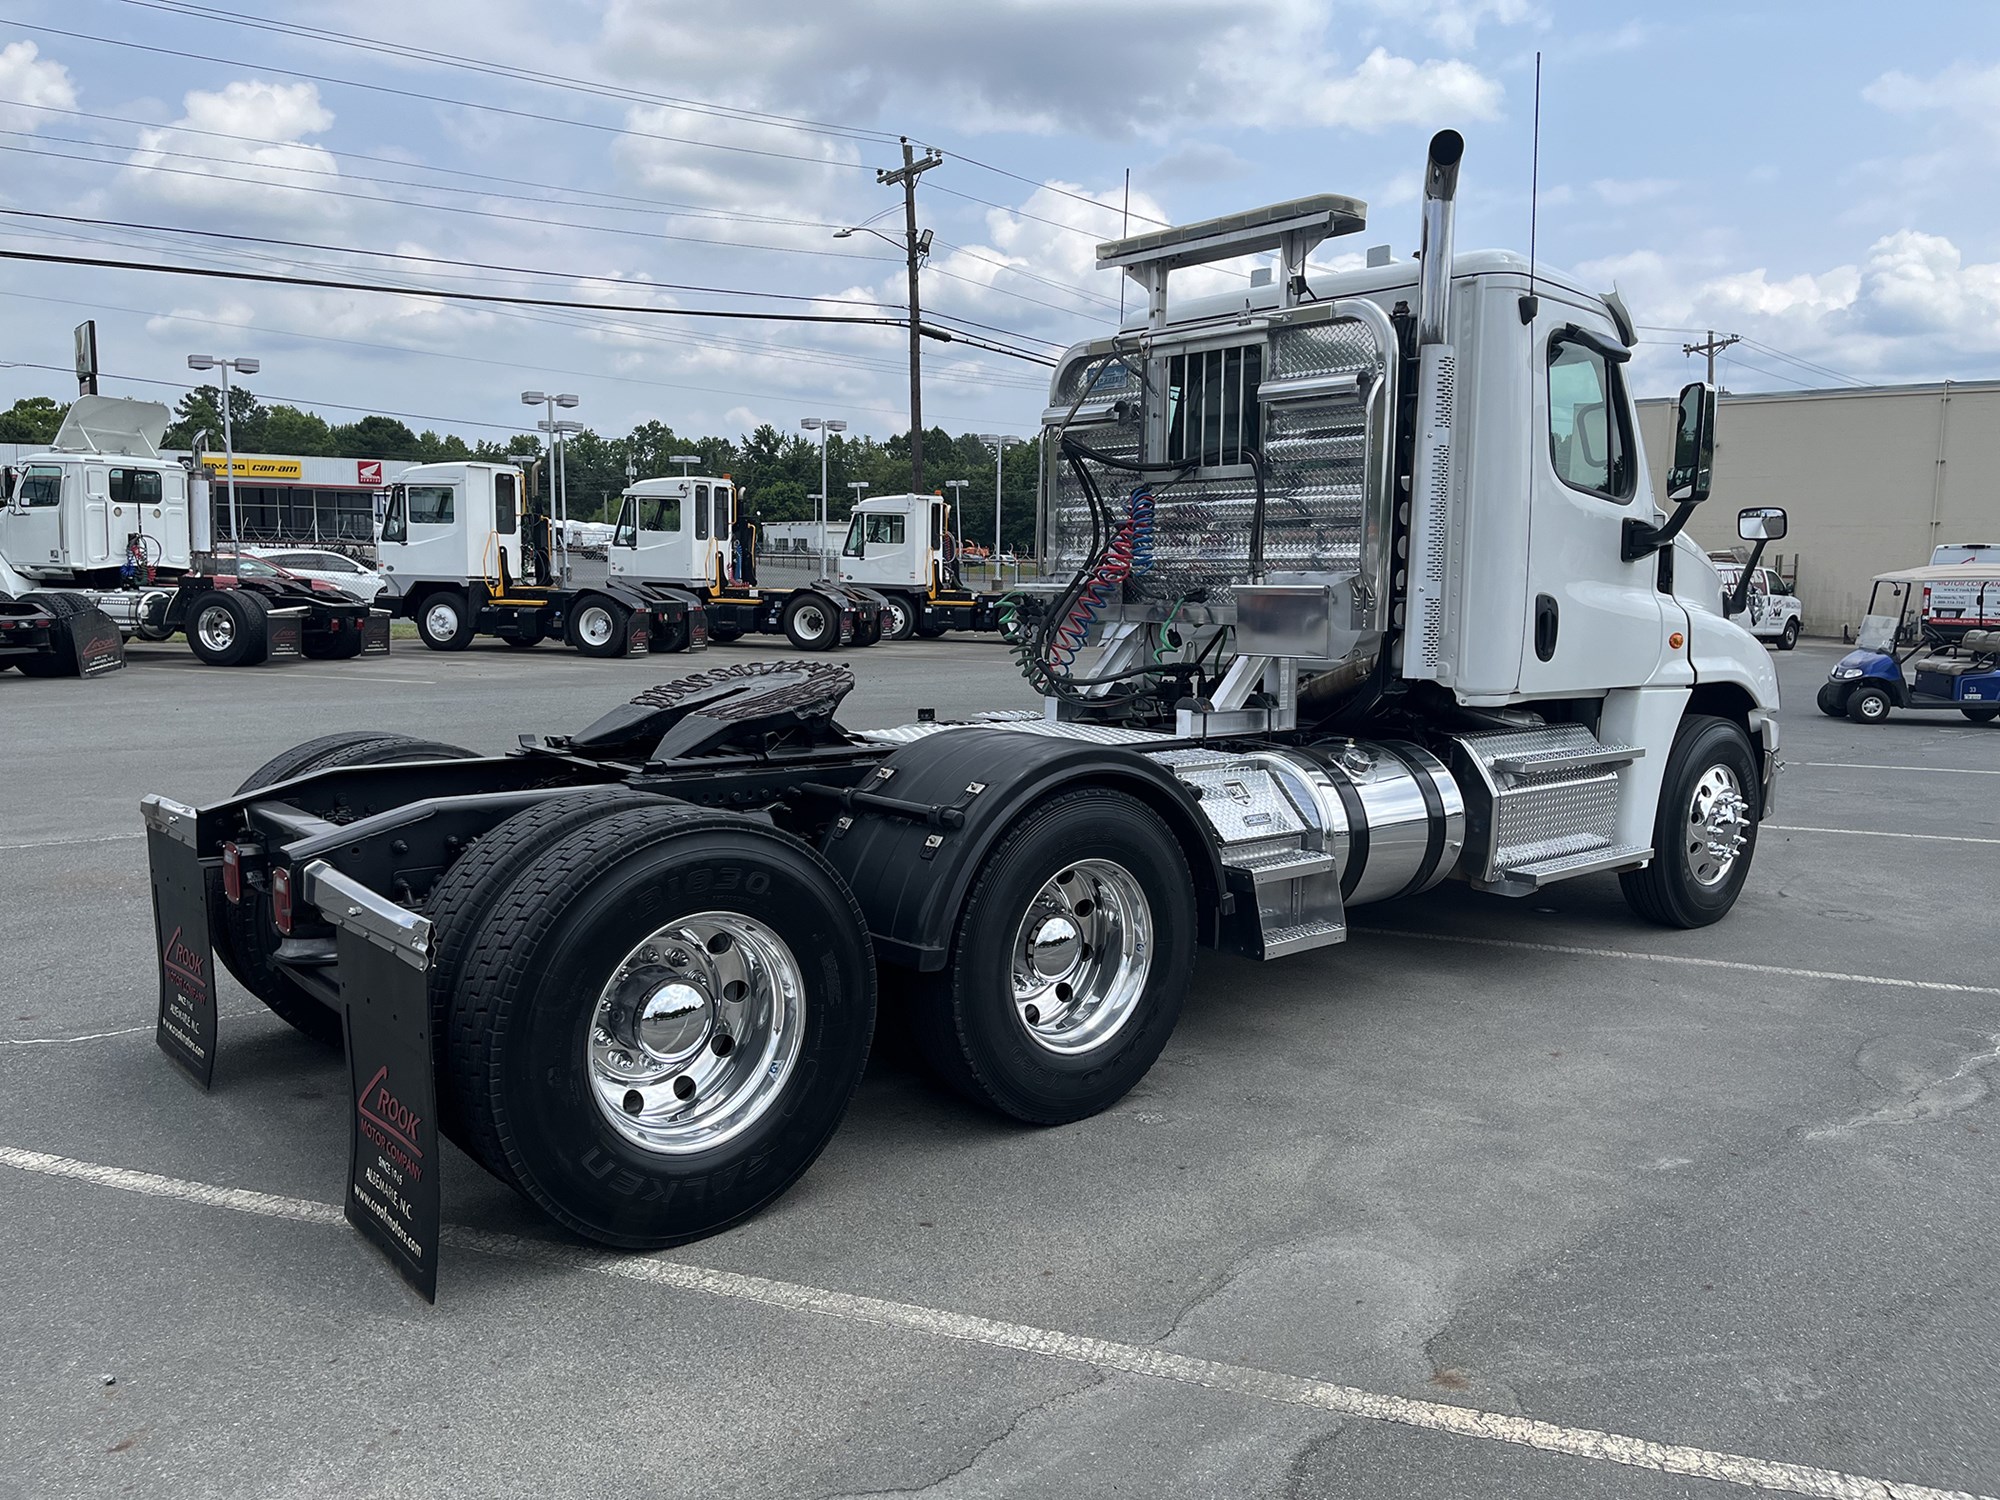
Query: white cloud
(1961,89)
(1113,68)
(1629,192)
(256,160)
(1456,23)
(28,78)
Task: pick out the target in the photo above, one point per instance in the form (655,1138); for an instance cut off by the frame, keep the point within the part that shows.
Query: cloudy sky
(1818,178)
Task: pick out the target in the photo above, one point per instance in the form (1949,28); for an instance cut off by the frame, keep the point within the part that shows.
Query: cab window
(854,537)
(396,519)
(41,485)
(876,530)
(722,510)
(135,487)
(701,511)
(1590,438)
(429,504)
(627,532)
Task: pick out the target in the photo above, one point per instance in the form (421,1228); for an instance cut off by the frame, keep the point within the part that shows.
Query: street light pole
(558,468)
(999,442)
(245,367)
(823,425)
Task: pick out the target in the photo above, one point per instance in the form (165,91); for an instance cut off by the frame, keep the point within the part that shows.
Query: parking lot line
(1108,1355)
(1689,959)
(1855,765)
(95,838)
(97,1036)
(1876,833)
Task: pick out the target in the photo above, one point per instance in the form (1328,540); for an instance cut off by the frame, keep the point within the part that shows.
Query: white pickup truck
(1774,614)
(1949,609)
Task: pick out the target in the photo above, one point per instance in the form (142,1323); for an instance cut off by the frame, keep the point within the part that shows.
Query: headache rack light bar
(1253,232)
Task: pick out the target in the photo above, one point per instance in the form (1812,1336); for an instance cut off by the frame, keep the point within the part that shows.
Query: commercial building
(1873,477)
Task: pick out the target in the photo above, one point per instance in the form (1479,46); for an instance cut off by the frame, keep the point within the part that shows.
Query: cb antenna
(1531,304)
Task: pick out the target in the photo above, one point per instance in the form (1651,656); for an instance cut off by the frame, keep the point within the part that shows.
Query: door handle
(1548,621)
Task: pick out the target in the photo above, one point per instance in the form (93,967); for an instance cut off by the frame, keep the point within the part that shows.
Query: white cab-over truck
(103,522)
(1368,592)
(902,547)
(687,533)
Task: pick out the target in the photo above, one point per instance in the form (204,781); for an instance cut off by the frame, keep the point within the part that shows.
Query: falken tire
(1670,891)
(244,937)
(524,1017)
(1832,699)
(1869,703)
(811,622)
(445,621)
(229,628)
(597,626)
(967,1021)
(902,619)
(465,893)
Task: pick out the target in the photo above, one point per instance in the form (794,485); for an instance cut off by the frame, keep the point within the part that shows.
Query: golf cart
(1900,661)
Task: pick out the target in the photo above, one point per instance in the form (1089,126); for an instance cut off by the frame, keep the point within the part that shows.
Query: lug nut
(676,957)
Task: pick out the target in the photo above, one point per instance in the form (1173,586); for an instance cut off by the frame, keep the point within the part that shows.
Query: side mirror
(1762,523)
(1694,446)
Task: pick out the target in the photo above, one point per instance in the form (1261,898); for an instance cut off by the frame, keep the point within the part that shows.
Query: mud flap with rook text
(392,1165)
(186,1030)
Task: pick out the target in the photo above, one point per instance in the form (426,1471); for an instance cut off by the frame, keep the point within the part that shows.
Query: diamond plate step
(1282,864)
(1303,937)
(1564,758)
(1584,862)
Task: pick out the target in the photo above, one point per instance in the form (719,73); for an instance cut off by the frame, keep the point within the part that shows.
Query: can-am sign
(253,468)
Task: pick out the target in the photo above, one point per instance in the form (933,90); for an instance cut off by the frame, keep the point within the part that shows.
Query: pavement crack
(1957,1091)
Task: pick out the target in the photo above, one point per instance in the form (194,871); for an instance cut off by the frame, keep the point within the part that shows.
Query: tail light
(281,900)
(232,874)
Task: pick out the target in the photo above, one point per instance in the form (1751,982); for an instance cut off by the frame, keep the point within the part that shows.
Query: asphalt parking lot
(1500,1198)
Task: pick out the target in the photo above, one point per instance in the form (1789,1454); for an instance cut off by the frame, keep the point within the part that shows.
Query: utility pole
(915,249)
(1711,348)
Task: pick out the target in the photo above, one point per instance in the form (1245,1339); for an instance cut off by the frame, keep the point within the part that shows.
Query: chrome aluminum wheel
(697,1033)
(1081,956)
(441,621)
(593,625)
(1718,826)
(217,627)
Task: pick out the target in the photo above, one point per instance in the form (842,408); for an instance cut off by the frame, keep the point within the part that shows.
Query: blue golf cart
(1901,662)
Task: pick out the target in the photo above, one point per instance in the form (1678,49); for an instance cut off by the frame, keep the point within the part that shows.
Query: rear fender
(912,876)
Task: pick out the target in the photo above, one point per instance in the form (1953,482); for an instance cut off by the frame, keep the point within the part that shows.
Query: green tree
(375,437)
(287,429)
(32,419)
(200,411)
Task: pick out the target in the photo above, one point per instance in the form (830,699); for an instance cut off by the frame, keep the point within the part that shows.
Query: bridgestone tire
(463,896)
(965,1018)
(523,1013)
(1832,700)
(811,622)
(445,621)
(229,628)
(244,937)
(597,626)
(902,619)
(1791,636)
(1981,715)
(1666,891)
(1869,704)
(335,645)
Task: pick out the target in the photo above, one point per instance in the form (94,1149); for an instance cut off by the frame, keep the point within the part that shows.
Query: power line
(443,294)
(1803,363)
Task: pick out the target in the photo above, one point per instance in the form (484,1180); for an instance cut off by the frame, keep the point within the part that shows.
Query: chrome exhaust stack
(1428,644)
(1440,200)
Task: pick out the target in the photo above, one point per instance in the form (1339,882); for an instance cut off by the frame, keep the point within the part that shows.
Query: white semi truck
(902,546)
(107,523)
(1368,591)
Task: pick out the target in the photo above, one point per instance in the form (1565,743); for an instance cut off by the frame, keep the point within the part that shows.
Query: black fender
(911,873)
(662,601)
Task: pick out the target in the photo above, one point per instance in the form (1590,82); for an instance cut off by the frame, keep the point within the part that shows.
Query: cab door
(33,539)
(507,526)
(1594,621)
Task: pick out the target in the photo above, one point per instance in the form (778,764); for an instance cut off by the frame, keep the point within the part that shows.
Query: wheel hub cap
(1082,953)
(1718,826)
(696,1033)
(217,627)
(442,621)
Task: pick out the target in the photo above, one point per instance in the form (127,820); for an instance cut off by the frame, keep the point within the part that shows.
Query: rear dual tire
(229,628)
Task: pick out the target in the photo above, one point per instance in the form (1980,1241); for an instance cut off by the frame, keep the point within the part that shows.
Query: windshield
(1887,604)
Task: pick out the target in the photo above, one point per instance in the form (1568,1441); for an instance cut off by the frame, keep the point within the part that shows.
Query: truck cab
(100,501)
(675,531)
(904,547)
(459,522)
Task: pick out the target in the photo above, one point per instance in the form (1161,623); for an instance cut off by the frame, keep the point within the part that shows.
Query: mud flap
(186,1029)
(286,632)
(638,632)
(95,644)
(392,1164)
(376,642)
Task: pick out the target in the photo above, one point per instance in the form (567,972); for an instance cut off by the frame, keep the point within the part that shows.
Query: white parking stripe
(1851,765)
(1688,959)
(1876,833)
(98,1036)
(95,838)
(1109,1355)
